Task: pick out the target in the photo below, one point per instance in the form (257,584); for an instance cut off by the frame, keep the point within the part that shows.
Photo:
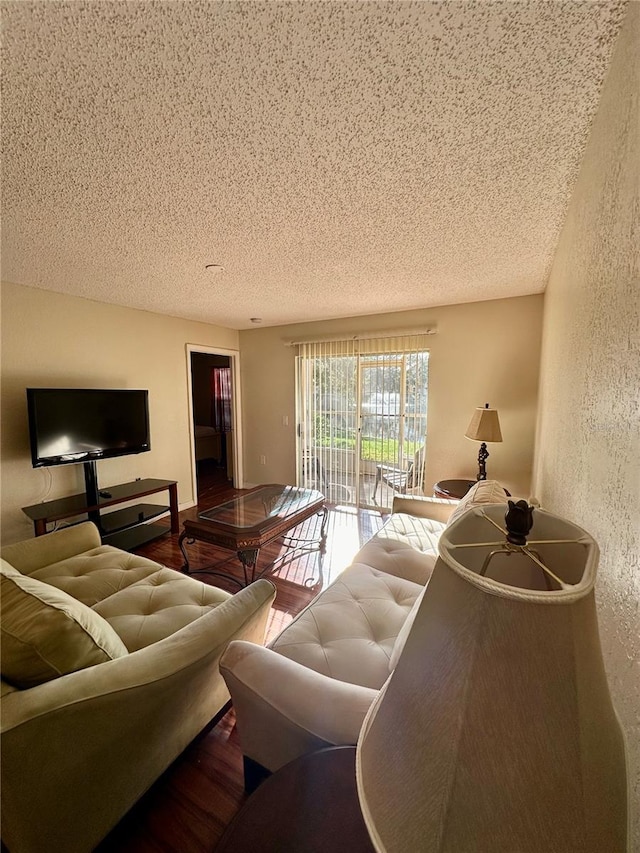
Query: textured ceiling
(336,158)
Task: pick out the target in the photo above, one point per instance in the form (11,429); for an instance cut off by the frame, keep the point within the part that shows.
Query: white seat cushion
(405,546)
(348,632)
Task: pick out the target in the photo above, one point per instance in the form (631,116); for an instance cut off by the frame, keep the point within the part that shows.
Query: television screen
(69,425)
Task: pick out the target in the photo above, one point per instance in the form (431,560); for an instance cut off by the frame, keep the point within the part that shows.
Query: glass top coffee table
(247,523)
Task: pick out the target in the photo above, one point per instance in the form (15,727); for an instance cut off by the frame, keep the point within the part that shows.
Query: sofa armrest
(126,720)
(437,509)
(32,554)
(285,709)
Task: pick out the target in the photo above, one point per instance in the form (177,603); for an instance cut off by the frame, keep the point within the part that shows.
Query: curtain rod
(360,336)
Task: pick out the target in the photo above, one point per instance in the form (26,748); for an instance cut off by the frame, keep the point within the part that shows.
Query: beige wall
(588,447)
(49,339)
(484,352)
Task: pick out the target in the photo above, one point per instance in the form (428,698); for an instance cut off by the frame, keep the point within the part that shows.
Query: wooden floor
(188,808)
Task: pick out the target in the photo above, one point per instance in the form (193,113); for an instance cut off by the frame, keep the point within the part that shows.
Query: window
(362,407)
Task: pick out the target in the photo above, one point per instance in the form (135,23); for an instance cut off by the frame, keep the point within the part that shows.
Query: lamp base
(483,455)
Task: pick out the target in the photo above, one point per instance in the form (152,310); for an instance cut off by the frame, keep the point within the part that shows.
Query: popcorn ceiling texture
(337,158)
(588,450)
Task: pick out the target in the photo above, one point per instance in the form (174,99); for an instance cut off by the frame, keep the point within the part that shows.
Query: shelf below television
(121,519)
(114,525)
(132,537)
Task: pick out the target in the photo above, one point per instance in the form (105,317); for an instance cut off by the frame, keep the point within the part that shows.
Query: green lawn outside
(383,450)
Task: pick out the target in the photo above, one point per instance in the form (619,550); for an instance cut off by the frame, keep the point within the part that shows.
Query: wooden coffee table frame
(247,541)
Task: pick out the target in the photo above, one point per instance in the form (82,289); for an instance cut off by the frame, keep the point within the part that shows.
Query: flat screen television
(70,425)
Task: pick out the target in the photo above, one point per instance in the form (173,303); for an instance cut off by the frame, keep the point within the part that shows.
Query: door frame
(238,465)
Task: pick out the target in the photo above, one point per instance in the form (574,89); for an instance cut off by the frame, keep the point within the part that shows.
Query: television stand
(124,528)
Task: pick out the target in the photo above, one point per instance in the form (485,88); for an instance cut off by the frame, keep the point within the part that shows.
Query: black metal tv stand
(124,528)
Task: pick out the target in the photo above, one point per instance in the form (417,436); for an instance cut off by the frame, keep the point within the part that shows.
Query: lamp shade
(496,731)
(484,425)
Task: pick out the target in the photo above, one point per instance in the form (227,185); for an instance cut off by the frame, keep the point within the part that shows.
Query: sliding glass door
(362,417)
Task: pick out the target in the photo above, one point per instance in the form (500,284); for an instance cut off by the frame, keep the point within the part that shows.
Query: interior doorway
(213,418)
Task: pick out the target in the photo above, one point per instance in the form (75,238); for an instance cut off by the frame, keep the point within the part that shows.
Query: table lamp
(496,731)
(484,427)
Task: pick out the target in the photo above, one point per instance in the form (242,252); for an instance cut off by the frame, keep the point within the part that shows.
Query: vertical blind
(362,413)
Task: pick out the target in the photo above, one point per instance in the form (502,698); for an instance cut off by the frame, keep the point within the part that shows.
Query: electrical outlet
(263,460)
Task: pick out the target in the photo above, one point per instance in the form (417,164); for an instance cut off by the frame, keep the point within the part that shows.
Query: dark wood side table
(452,489)
(309,806)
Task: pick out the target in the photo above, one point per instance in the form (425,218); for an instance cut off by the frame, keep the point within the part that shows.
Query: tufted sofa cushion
(96,574)
(406,546)
(349,630)
(157,606)
(142,601)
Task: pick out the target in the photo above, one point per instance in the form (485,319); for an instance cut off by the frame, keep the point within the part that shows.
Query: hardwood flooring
(188,808)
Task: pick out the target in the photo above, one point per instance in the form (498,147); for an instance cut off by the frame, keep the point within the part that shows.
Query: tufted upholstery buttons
(406,547)
(350,630)
(157,606)
(94,575)
(142,601)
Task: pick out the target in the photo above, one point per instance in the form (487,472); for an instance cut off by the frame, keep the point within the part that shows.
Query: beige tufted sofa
(110,667)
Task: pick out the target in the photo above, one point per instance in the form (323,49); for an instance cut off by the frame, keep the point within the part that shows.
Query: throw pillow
(47,633)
